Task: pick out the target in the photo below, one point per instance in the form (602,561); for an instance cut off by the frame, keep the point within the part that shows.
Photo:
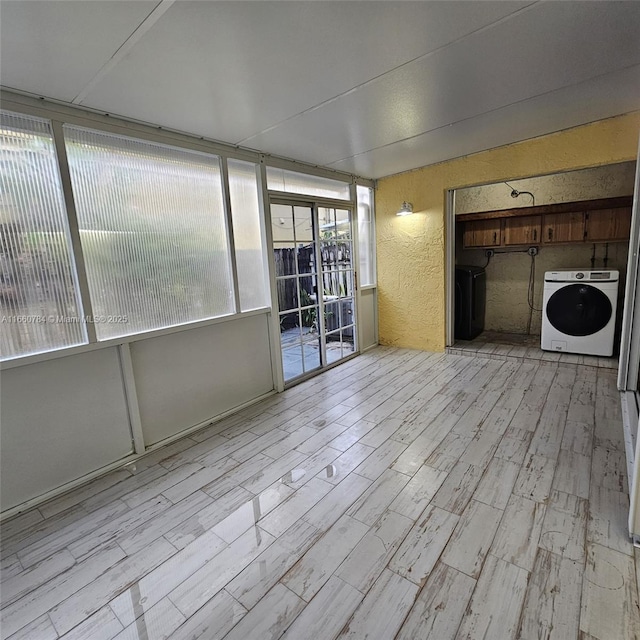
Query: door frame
(628,370)
(313,202)
(630,341)
(450,265)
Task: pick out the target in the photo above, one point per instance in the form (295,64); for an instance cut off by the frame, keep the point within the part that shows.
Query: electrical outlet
(533,251)
(489,253)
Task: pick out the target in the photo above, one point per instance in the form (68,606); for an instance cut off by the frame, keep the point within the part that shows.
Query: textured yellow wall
(609,181)
(410,249)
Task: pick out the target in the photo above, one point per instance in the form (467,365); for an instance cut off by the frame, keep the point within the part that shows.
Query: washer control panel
(585,275)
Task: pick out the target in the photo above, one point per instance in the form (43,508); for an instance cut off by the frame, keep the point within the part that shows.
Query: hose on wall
(531,293)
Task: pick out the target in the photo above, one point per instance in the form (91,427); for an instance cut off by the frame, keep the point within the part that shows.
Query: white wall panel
(474,76)
(60,420)
(183,379)
(567,107)
(253,65)
(379,89)
(56,48)
(368,318)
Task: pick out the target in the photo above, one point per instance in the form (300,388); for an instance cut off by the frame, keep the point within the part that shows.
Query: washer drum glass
(579,310)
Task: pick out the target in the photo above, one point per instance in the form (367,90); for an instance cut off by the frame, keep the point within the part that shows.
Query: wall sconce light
(406,209)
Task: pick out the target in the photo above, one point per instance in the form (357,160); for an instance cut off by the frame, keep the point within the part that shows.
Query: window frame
(60,114)
(226,185)
(372,237)
(75,261)
(224,213)
(345,183)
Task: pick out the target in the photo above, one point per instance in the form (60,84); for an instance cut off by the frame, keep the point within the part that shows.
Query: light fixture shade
(406,209)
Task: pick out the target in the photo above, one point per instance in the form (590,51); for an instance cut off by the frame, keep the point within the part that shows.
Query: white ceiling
(372,88)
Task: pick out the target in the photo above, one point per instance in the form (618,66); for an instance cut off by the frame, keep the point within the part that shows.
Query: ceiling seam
(157,12)
(423,56)
(500,108)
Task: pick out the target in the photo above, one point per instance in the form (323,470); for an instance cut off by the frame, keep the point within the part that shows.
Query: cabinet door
(482,233)
(522,230)
(608,224)
(563,227)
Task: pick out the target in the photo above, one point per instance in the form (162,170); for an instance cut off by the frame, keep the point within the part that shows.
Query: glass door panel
(337,282)
(288,297)
(295,270)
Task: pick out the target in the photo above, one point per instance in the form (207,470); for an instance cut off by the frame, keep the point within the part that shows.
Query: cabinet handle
(535,235)
(495,236)
(550,233)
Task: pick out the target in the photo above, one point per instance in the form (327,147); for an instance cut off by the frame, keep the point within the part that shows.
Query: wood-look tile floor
(401,495)
(519,347)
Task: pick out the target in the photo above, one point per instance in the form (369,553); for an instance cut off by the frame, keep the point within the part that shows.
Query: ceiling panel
(535,52)
(228,70)
(370,87)
(568,107)
(54,49)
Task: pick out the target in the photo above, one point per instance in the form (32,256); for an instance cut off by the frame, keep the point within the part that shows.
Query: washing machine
(579,311)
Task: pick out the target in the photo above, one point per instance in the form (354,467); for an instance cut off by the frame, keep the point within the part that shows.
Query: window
(294,182)
(366,236)
(247,235)
(151,225)
(40,306)
(153,232)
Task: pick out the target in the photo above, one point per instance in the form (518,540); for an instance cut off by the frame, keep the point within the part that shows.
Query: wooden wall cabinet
(608,225)
(603,220)
(524,230)
(482,233)
(563,227)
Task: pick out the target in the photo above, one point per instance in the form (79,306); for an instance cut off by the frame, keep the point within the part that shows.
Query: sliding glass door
(315,284)
(338,280)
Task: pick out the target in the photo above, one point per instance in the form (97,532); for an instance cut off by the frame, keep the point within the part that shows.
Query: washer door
(579,310)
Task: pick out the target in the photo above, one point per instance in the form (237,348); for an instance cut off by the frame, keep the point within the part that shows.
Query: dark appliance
(470,298)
